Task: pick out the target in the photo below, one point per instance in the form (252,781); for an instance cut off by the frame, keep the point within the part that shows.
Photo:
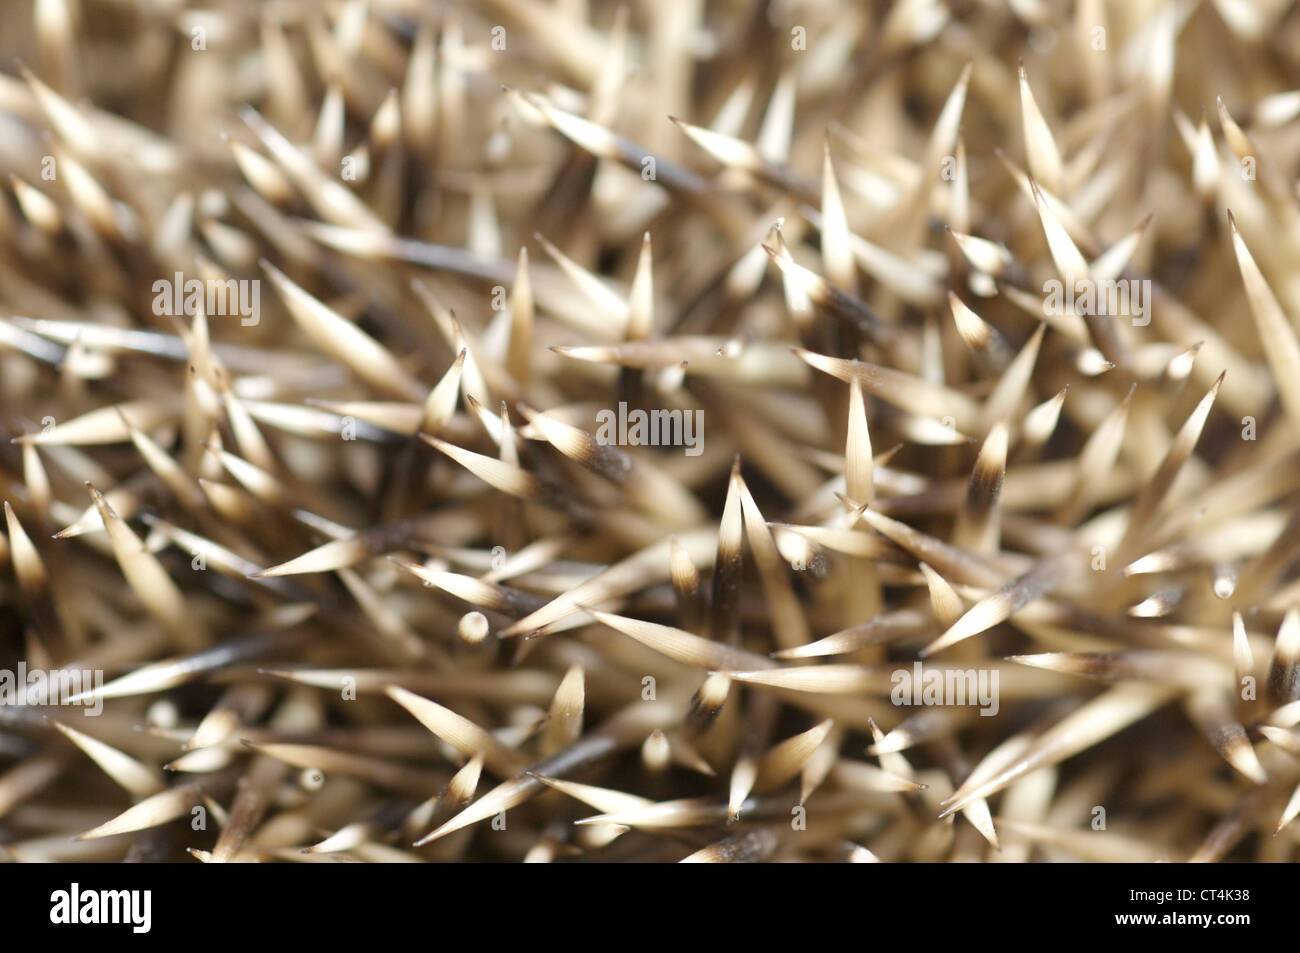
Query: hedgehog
(695,431)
